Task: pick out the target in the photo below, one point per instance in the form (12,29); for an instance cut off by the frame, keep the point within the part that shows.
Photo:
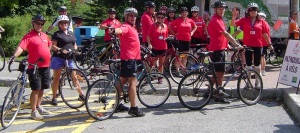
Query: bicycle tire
(2,59)
(197,94)
(113,67)
(274,59)
(154,90)
(86,62)
(248,94)
(191,60)
(14,99)
(68,92)
(100,95)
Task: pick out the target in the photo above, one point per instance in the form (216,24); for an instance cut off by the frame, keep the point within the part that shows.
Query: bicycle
(69,86)
(2,59)
(103,97)
(275,56)
(196,89)
(14,97)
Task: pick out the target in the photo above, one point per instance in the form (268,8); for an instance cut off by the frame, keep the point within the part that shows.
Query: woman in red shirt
(156,39)
(255,32)
(183,28)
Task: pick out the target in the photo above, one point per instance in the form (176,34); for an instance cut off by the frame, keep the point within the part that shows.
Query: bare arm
(54,46)
(102,26)
(18,52)
(267,39)
(230,38)
(50,28)
(193,31)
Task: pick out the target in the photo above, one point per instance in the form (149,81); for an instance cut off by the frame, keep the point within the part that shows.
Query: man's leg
(34,99)
(132,90)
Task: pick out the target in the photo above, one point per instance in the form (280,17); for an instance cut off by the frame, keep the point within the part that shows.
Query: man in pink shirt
(219,42)
(37,44)
(111,21)
(129,53)
(147,20)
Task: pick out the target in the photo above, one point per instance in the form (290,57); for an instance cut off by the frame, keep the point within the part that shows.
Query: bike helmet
(62,18)
(160,13)
(38,17)
(171,9)
(183,9)
(130,10)
(262,14)
(112,10)
(252,5)
(195,9)
(62,8)
(219,4)
(149,4)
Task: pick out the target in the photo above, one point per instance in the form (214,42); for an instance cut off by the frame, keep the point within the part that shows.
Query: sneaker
(223,94)
(43,111)
(178,74)
(36,115)
(54,102)
(160,81)
(263,73)
(222,100)
(81,98)
(121,107)
(136,112)
(257,85)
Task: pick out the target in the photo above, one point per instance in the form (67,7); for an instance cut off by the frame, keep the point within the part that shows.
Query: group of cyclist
(156,27)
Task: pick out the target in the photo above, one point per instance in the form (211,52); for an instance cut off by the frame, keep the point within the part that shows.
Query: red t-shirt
(215,28)
(110,22)
(183,29)
(147,20)
(130,43)
(199,33)
(37,46)
(269,35)
(252,33)
(157,36)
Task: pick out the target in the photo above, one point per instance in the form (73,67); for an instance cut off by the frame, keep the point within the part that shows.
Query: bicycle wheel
(101,99)
(154,90)
(69,92)
(84,61)
(11,104)
(274,59)
(195,90)
(113,67)
(184,69)
(250,87)
(2,59)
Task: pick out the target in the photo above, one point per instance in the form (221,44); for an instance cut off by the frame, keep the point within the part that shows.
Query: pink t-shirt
(37,46)
(269,35)
(199,33)
(158,36)
(215,28)
(252,32)
(130,43)
(183,29)
(110,22)
(147,20)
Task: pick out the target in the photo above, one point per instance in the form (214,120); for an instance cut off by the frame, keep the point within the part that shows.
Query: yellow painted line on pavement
(47,129)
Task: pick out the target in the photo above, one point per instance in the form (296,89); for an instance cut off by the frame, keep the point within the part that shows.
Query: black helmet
(160,13)
(171,9)
(219,4)
(149,4)
(112,10)
(183,9)
(38,17)
(62,8)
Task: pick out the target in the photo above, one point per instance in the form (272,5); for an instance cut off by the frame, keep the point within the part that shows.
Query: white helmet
(62,18)
(262,14)
(195,9)
(252,5)
(130,10)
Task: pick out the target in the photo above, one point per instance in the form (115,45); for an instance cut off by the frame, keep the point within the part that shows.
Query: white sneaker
(257,85)
(36,115)
(43,111)
(263,73)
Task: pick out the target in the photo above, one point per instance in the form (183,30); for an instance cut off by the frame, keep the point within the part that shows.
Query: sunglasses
(171,12)
(132,16)
(112,13)
(63,22)
(194,12)
(294,14)
(252,9)
(38,23)
(160,17)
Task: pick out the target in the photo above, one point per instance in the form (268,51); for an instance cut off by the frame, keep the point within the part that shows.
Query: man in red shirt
(147,20)
(129,53)
(37,44)
(110,22)
(219,42)
(200,34)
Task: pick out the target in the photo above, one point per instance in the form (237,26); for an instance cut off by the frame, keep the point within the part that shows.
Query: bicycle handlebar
(25,63)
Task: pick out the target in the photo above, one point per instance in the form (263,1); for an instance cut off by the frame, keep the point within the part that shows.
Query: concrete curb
(292,101)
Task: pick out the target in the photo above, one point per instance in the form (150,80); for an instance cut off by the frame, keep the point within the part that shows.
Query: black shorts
(128,68)
(41,80)
(183,46)
(257,56)
(219,56)
(195,41)
(156,53)
(264,50)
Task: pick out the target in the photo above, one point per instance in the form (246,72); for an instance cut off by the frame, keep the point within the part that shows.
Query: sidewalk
(283,92)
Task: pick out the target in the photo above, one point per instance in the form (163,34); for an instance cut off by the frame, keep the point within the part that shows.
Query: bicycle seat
(204,54)
(113,60)
(88,41)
